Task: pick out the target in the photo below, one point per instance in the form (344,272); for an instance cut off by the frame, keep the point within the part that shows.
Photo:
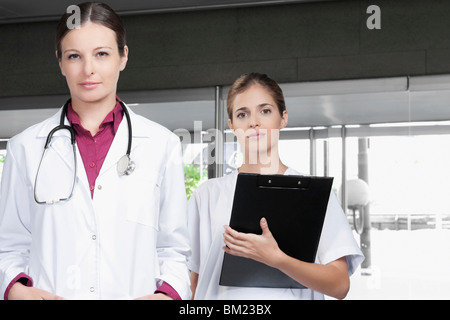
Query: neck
(263,164)
(92,114)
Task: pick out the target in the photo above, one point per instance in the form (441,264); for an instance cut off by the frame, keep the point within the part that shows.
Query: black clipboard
(295,208)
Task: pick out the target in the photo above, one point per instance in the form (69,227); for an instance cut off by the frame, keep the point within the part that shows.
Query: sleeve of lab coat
(337,238)
(173,242)
(194,231)
(15,235)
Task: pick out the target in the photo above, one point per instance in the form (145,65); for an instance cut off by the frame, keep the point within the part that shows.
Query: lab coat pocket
(144,198)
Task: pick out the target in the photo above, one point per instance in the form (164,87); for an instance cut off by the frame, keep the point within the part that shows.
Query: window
(410,218)
(189,114)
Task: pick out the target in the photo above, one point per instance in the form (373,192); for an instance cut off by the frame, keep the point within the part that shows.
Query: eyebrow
(241,109)
(265,105)
(98,48)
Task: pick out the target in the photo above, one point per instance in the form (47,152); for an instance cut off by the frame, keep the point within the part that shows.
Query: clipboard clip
(283,182)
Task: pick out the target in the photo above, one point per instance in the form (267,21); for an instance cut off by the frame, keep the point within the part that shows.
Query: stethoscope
(125,166)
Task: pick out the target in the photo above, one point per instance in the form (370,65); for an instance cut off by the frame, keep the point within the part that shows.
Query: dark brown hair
(95,12)
(245,81)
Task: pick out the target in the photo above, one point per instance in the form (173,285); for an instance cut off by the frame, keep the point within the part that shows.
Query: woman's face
(91,62)
(256,121)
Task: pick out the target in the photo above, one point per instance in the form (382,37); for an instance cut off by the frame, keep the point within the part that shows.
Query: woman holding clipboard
(257,112)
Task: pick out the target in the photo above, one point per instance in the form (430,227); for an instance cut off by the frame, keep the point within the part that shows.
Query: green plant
(2,158)
(192,178)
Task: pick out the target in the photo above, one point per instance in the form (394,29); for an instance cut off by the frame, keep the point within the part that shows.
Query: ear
(230,124)
(284,119)
(60,64)
(124,58)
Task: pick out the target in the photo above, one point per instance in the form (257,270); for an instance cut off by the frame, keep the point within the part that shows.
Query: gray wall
(293,43)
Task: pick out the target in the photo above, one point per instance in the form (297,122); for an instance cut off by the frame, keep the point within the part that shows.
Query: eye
(266,111)
(241,115)
(102,54)
(73,56)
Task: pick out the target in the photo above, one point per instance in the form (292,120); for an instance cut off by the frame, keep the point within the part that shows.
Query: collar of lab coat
(138,129)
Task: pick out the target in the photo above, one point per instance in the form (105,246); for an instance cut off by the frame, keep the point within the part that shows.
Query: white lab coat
(209,209)
(119,245)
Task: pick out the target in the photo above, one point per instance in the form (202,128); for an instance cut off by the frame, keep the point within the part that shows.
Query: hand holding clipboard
(240,244)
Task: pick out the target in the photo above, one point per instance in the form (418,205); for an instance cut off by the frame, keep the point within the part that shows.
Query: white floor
(405,265)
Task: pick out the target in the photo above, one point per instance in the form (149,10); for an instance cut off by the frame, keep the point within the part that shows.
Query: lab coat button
(94,237)
(99,187)
(91,289)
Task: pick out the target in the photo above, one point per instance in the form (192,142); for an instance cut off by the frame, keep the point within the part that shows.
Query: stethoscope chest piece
(125,166)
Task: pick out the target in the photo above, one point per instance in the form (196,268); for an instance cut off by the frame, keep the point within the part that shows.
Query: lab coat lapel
(118,147)
(63,147)
(60,142)
(120,143)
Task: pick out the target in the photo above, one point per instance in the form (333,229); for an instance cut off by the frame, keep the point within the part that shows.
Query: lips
(89,85)
(255,135)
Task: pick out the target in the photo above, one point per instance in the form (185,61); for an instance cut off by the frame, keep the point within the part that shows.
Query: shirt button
(92,164)
(92,187)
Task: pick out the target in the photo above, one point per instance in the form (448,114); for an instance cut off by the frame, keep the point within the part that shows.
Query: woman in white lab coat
(257,112)
(117,236)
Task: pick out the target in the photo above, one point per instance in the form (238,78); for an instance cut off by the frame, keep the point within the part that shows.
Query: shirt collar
(114,117)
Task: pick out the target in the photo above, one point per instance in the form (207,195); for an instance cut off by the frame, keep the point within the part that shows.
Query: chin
(92,97)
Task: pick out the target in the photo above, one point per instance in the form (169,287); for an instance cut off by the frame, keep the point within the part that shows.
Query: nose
(89,67)
(254,120)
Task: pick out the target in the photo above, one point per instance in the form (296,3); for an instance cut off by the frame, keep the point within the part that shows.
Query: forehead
(89,35)
(253,96)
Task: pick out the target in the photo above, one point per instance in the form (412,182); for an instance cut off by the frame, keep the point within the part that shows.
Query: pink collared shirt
(93,151)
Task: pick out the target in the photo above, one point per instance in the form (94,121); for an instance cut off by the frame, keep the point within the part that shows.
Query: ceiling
(12,11)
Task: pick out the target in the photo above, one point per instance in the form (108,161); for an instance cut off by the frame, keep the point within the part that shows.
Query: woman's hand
(331,279)
(20,292)
(155,296)
(262,248)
